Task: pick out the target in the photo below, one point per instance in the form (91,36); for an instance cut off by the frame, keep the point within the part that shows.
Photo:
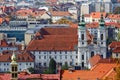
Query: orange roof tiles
(116,50)
(99,71)
(97,14)
(3,43)
(114,16)
(114,44)
(23,57)
(56,39)
(60,13)
(92,25)
(95,59)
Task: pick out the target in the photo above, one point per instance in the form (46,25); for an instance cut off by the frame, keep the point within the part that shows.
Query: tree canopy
(52,66)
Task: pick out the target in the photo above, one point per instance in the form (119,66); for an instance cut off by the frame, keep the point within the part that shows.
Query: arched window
(101,36)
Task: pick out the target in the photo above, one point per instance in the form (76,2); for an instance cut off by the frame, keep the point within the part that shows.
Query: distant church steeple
(14,67)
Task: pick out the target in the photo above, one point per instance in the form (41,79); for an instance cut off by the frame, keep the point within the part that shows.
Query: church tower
(101,39)
(14,67)
(82,42)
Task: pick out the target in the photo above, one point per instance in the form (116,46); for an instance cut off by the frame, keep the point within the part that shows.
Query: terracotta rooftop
(97,14)
(114,16)
(115,44)
(60,13)
(100,71)
(116,50)
(25,76)
(56,39)
(3,43)
(23,57)
(95,59)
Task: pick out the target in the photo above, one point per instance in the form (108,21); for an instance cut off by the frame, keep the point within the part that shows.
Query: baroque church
(86,49)
(71,45)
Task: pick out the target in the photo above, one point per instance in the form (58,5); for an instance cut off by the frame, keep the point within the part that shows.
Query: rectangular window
(60,57)
(70,57)
(44,57)
(116,54)
(82,57)
(76,57)
(15,75)
(15,68)
(44,64)
(39,57)
(55,57)
(49,57)
(70,63)
(65,56)
(30,63)
(12,68)
(82,35)
(101,36)
(39,64)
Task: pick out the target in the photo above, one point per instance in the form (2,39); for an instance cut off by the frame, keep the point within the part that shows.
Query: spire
(14,67)
(13,58)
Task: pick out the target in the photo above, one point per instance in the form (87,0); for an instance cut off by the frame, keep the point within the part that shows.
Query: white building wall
(5,66)
(56,18)
(43,57)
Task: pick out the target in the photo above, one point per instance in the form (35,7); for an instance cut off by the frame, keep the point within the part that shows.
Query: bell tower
(14,67)
(82,39)
(82,42)
(101,39)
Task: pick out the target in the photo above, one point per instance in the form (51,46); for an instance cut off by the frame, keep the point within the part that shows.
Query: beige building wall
(115,55)
(3,36)
(28,38)
(85,8)
(45,16)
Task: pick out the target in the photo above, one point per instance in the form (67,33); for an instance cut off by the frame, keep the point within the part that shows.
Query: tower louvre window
(82,36)
(101,36)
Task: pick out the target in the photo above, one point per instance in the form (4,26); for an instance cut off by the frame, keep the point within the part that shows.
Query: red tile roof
(60,13)
(95,59)
(56,39)
(99,71)
(115,44)
(97,14)
(24,76)
(92,25)
(116,50)
(114,16)
(23,57)
(3,43)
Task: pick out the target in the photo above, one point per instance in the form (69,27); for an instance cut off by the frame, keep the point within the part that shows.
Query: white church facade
(96,46)
(72,45)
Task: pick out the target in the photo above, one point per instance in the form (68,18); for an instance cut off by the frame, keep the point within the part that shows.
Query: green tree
(52,66)
(65,67)
(31,69)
